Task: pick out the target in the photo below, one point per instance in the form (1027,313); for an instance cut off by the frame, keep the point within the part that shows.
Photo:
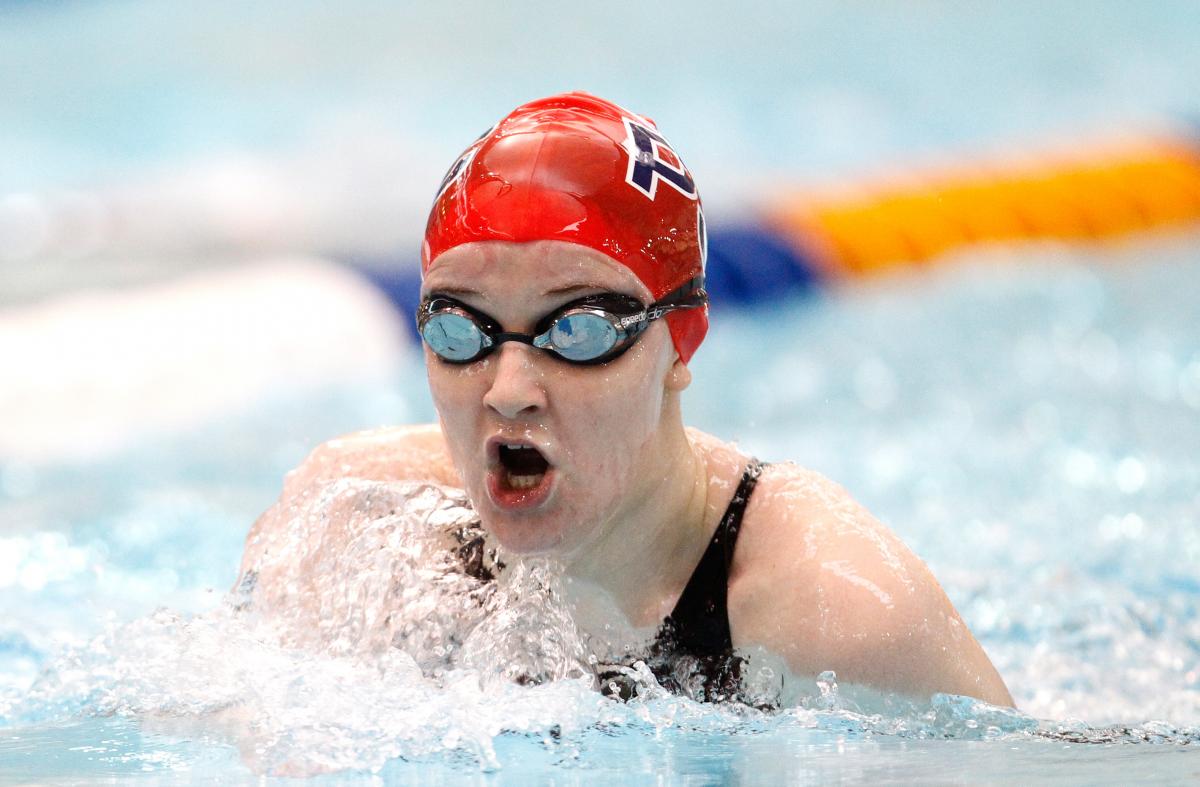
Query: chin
(525,536)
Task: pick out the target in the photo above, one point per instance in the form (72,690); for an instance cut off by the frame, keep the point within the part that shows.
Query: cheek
(636,393)
(619,415)
(451,383)
(457,392)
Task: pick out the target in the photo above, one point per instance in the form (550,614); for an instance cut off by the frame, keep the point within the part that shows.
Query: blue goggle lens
(581,336)
(453,336)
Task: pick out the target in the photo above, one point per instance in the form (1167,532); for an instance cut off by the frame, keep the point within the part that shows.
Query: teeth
(523,481)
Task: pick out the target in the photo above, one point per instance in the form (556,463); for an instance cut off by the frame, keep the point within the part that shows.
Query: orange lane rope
(1090,193)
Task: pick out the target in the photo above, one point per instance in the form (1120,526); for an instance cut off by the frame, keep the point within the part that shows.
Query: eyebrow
(452,291)
(573,288)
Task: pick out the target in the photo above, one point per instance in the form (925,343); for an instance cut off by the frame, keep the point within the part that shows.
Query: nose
(516,388)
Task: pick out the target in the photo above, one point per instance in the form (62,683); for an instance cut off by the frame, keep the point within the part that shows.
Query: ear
(679,376)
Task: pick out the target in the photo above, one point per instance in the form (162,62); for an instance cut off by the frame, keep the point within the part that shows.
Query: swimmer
(562,299)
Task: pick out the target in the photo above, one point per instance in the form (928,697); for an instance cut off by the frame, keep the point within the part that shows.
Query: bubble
(1130,475)
(1080,468)
(1133,526)
(889,463)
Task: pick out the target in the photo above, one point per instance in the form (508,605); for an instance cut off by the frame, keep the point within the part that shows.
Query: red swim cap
(580,169)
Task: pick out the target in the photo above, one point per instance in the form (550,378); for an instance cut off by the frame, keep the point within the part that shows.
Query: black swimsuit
(699,624)
(698,627)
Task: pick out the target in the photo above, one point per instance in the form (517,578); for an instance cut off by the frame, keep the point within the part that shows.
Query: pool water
(1026,420)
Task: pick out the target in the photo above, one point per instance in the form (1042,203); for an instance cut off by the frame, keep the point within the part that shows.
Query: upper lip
(494,442)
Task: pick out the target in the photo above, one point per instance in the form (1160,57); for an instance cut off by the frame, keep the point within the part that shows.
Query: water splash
(1072,558)
(827,686)
(411,660)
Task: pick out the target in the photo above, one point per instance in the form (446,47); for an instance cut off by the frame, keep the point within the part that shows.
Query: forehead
(501,270)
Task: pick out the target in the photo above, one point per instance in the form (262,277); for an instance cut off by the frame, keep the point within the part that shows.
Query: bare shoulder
(398,453)
(821,582)
(409,453)
(724,461)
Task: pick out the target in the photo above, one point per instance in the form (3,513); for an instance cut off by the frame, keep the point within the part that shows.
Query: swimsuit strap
(699,624)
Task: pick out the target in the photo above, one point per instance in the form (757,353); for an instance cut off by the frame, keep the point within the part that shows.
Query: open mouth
(524,466)
(521,476)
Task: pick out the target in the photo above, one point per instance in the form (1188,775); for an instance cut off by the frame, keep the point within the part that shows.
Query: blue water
(820,88)
(1025,421)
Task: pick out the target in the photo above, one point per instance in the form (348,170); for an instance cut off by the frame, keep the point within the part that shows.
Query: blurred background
(140,139)
(141,142)
(210,213)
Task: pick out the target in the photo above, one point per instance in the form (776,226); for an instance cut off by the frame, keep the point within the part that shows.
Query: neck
(643,556)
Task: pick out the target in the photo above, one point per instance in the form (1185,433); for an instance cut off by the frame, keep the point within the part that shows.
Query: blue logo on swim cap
(646,169)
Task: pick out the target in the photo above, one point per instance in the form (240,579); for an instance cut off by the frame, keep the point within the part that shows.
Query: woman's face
(597,428)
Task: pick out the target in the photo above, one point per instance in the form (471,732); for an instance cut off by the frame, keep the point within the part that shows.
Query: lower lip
(518,499)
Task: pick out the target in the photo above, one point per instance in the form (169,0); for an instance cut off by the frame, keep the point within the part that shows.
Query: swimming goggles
(591,330)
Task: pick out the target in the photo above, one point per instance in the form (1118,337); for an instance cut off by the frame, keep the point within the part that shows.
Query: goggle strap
(689,290)
(688,295)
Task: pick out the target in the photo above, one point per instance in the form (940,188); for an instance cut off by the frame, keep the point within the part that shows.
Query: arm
(825,585)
